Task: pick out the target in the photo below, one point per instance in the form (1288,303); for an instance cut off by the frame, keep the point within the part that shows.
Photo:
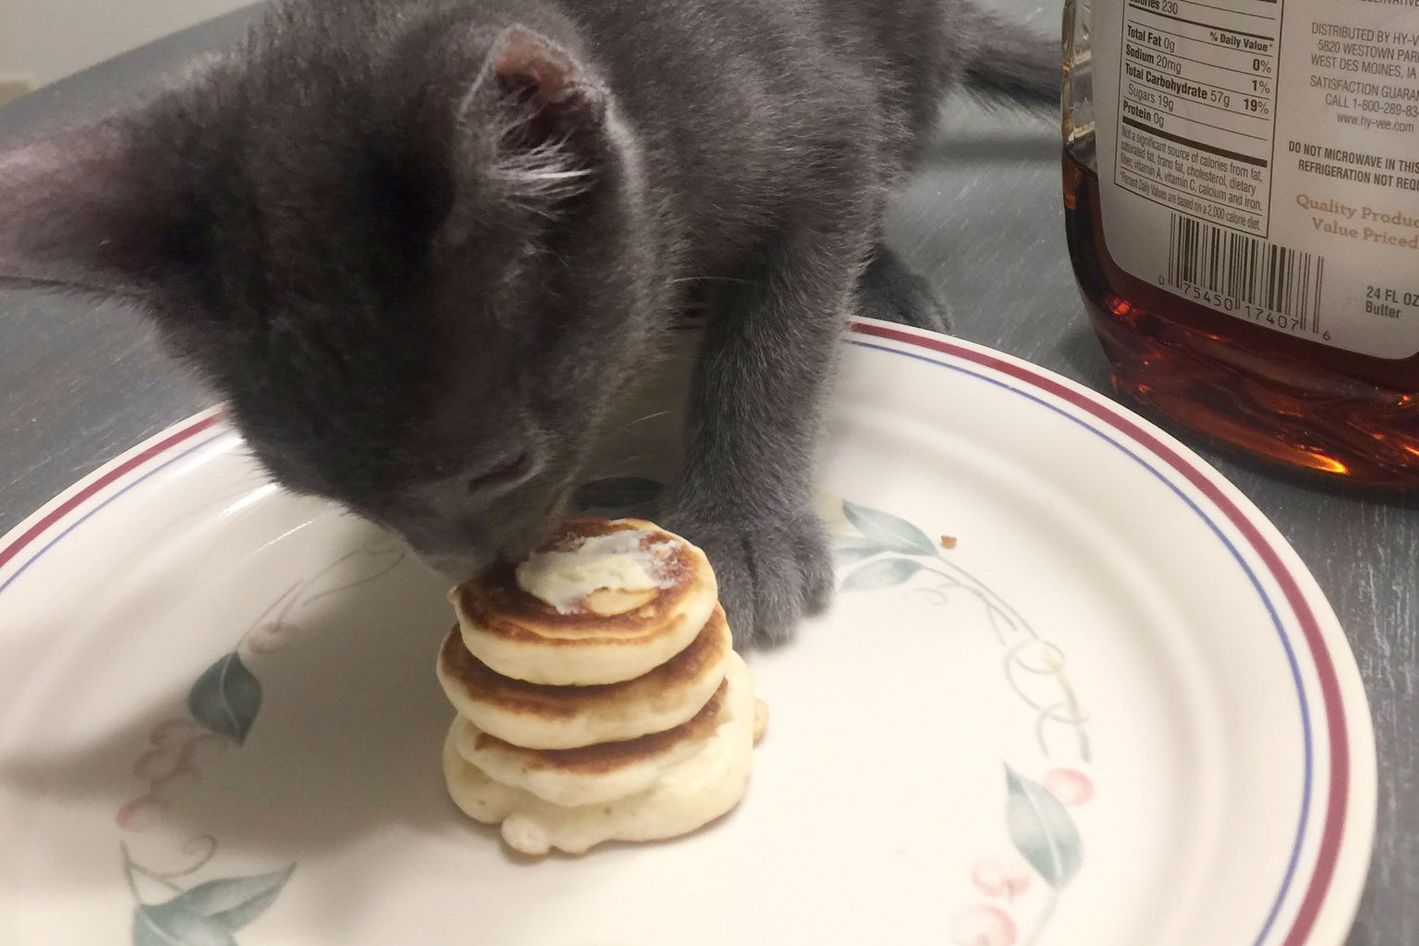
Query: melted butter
(616,561)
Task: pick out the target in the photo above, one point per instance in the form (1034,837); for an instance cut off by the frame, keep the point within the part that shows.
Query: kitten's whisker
(725,279)
(641,420)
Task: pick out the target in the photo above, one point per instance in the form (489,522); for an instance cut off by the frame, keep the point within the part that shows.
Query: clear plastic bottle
(1241,189)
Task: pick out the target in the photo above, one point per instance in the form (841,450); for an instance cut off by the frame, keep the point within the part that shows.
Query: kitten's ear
(94,209)
(545,83)
(546,114)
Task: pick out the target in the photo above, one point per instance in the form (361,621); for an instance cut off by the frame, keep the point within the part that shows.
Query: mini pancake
(593,774)
(685,796)
(542,717)
(611,636)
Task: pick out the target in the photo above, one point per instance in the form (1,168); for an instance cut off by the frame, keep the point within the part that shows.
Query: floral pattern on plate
(878,551)
(222,707)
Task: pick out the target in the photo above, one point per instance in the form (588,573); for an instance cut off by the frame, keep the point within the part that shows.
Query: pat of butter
(564,579)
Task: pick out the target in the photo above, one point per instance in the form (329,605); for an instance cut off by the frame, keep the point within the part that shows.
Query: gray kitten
(423,248)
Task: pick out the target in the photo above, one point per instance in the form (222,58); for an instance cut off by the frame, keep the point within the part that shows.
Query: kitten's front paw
(771,571)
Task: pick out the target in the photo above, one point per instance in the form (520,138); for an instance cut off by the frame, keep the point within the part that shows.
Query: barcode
(1246,269)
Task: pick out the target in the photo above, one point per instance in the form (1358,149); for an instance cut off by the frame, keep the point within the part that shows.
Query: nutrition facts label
(1197,106)
(1261,158)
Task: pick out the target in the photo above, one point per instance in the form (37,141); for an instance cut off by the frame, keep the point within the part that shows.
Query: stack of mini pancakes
(599,696)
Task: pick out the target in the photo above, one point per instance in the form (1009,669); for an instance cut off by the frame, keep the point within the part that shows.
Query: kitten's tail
(1009,63)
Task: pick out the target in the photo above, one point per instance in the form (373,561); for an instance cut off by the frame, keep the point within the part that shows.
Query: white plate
(1119,711)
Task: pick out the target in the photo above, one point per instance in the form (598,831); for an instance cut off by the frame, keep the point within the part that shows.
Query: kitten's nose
(455,568)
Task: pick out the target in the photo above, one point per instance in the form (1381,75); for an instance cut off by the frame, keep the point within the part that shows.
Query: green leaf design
(174,924)
(618,492)
(892,533)
(1042,830)
(208,914)
(226,698)
(883,573)
(849,549)
(235,901)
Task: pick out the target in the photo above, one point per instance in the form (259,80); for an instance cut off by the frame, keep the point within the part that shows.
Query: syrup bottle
(1241,189)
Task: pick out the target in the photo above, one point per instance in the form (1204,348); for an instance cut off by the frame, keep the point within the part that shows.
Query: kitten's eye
(503,475)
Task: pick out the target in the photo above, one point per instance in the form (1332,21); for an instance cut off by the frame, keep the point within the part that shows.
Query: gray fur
(424,247)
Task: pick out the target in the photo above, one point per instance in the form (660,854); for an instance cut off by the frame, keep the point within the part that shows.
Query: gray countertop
(982,219)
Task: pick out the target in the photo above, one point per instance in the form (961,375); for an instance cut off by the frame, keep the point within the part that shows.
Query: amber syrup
(1308,405)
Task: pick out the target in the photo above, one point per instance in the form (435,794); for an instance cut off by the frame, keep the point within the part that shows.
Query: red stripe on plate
(103,479)
(1325,669)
